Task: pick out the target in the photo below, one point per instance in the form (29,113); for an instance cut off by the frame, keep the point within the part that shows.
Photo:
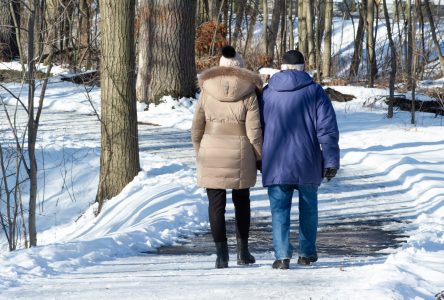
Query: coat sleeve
(260,99)
(253,125)
(327,130)
(198,125)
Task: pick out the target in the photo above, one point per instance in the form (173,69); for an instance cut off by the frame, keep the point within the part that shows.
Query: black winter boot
(222,255)
(244,256)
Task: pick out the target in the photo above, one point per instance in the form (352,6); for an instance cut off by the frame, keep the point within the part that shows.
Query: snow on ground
(17,66)
(170,112)
(87,257)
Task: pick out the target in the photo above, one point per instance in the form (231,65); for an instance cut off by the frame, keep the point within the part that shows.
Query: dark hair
(228,51)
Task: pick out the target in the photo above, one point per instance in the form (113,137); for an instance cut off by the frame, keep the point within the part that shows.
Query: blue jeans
(280,204)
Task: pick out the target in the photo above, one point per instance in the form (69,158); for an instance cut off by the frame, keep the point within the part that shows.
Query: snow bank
(160,206)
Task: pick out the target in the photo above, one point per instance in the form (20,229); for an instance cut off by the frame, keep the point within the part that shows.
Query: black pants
(216,211)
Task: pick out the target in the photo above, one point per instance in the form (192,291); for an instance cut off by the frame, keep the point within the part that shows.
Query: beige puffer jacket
(226,130)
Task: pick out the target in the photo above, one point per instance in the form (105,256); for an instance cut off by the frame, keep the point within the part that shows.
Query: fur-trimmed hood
(229,83)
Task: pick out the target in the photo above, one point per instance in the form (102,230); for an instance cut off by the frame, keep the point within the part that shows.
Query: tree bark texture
(250,32)
(370,41)
(143,73)
(38,28)
(32,172)
(290,25)
(265,29)
(119,160)
(274,28)
(283,33)
(392,61)
(414,60)
(226,12)
(319,29)
(409,50)
(8,41)
(357,53)
(311,55)
(302,28)
(84,33)
(52,15)
(327,38)
(171,51)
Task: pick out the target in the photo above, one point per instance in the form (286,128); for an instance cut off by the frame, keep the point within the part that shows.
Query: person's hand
(259,165)
(329,173)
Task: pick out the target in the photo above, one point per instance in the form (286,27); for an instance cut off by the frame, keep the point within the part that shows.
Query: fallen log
(338,96)
(91,78)
(436,107)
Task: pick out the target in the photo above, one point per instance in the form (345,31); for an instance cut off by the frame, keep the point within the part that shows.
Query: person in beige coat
(227,136)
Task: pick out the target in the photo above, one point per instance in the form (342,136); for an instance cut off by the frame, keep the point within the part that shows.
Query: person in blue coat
(300,148)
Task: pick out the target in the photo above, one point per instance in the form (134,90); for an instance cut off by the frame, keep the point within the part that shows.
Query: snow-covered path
(193,277)
(153,276)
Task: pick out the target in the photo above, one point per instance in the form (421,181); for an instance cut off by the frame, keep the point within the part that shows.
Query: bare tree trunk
(274,28)
(290,25)
(207,8)
(409,50)
(327,38)
(172,59)
(229,21)
(31,126)
(319,28)
(308,5)
(357,53)
(302,28)
(143,73)
(423,53)
(84,34)
(398,19)
(374,70)
(392,61)
(239,18)
(119,160)
(434,37)
(52,12)
(215,9)
(202,14)
(8,41)
(252,24)
(38,44)
(265,30)
(6,221)
(414,60)
(15,8)
(283,35)
(226,12)
(370,41)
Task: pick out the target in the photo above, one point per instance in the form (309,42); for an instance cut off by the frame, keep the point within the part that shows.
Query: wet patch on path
(343,238)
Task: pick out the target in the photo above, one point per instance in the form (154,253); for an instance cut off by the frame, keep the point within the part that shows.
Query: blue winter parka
(300,130)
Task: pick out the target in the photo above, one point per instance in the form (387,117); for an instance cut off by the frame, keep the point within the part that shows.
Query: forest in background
(174,38)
